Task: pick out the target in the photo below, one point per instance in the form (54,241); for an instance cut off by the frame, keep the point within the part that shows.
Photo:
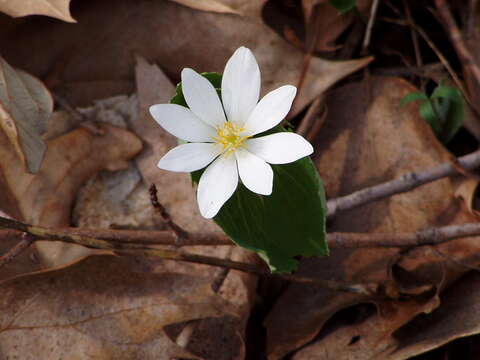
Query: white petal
(255,173)
(202,98)
(270,110)
(280,148)
(182,123)
(240,86)
(189,157)
(216,185)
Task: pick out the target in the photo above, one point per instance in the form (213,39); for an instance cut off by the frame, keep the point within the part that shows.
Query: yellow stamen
(230,137)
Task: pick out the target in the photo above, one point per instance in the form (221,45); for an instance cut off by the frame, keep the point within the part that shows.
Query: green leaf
(284,225)
(413,97)
(343,6)
(447,92)
(451,102)
(428,114)
(288,223)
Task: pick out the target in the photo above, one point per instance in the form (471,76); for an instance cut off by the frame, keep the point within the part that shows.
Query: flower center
(230,137)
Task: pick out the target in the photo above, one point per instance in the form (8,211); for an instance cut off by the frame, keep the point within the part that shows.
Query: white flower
(222,136)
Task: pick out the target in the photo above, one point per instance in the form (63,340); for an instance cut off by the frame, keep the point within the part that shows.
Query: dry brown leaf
(25,108)
(325,24)
(55,8)
(457,317)
(173,35)
(100,308)
(362,145)
(46,197)
(207,5)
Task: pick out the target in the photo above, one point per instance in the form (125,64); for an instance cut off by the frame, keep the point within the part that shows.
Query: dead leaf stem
(11,254)
(402,184)
(180,234)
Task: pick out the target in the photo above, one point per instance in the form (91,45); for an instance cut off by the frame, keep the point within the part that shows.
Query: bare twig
(181,234)
(129,248)
(11,254)
(442,59)
(457,40)
(371,21)
(402,184)
(429,236)
(416,46)
(143,237)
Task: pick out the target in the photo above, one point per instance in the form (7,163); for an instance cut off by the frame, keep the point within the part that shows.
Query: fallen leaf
(364,143)
(55,8)
(47,197)
(207,5)
(100,308)
(325,24)
(106,52)
(25,108)
(457,317)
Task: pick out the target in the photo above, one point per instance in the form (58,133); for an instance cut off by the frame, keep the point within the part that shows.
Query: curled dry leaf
(25,108)
(46,197)
(183,37)
(99,308)
(362,144)
(55,8)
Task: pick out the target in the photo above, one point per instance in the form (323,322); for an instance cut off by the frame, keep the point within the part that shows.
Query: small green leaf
(288,223)
(343,6)
(428,114)
(413,97)
(447,92)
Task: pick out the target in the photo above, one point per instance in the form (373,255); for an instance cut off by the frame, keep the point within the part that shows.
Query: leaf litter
(109,307)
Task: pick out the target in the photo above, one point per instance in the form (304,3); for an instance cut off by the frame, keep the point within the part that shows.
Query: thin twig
(371,21)
(440,56)
(429,236)
(402,184)
(457,40)
(21,246)
(144,237)
(416,46)
(181,234)
(129,248)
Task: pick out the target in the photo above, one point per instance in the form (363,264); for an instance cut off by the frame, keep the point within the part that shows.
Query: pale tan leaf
(207,5)
(46,198)
(25,108)
(55,8)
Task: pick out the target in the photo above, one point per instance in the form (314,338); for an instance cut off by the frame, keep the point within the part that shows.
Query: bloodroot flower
(221,137)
